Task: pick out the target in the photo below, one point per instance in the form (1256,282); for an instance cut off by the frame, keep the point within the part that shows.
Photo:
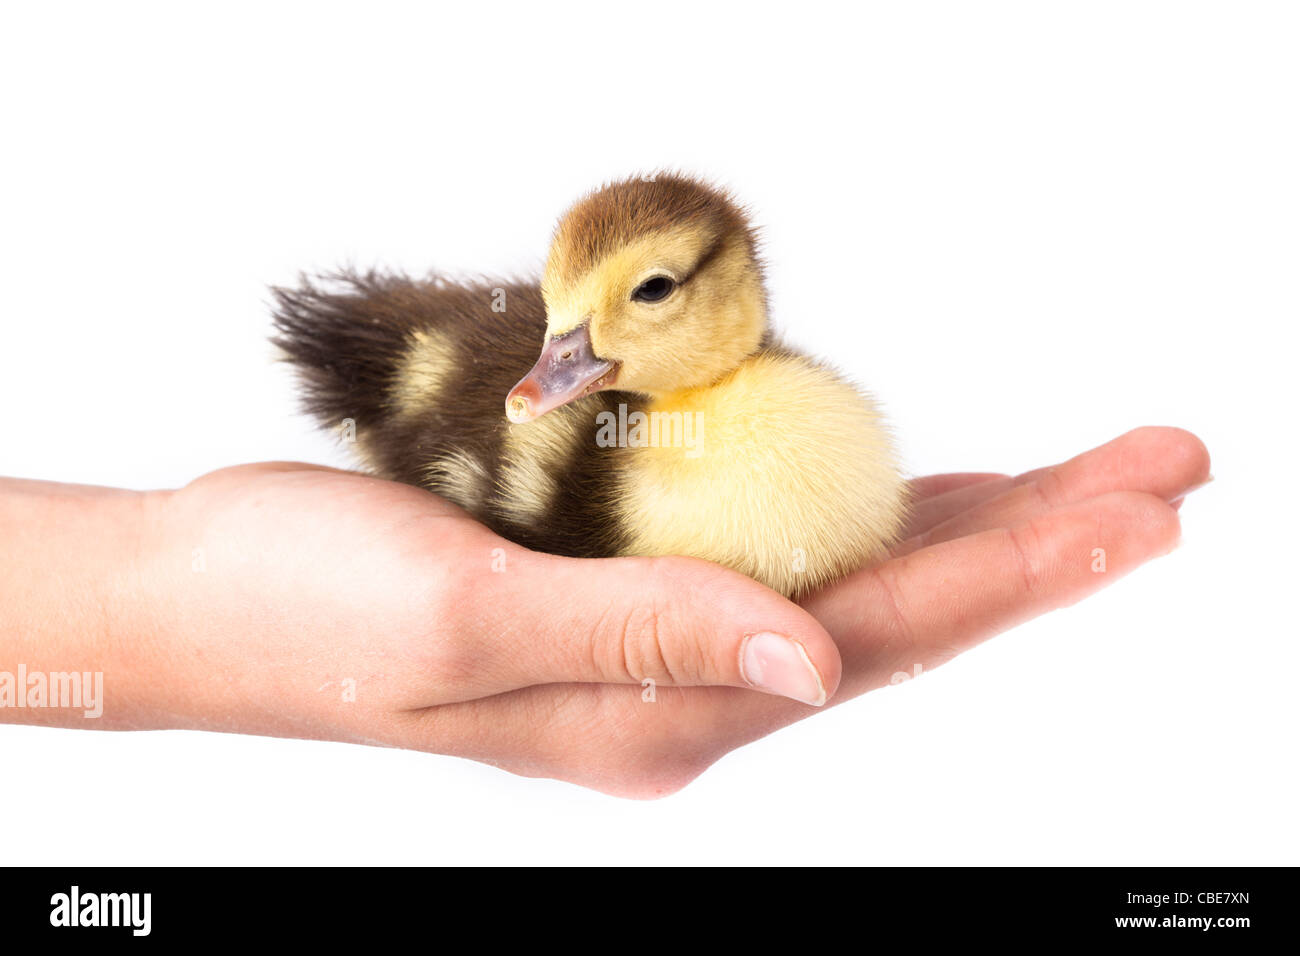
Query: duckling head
(653,286)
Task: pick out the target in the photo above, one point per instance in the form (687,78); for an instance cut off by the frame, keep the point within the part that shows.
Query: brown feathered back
(368,345)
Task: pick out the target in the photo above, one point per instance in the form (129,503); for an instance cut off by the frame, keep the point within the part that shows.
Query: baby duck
(661,417)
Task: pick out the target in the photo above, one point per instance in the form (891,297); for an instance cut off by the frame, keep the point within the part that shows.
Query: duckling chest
(722,490)
(793,492)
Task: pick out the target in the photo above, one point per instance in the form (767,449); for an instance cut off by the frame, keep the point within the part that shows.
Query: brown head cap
(616,214)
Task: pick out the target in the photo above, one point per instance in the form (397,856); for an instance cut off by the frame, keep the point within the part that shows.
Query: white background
(1027,227)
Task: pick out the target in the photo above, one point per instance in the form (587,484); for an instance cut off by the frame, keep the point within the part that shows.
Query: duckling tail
(346,333)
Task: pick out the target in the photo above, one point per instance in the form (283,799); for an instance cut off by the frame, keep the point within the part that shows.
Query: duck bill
(566,370)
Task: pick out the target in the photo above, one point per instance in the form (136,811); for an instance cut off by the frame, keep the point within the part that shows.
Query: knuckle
(900,643)
(1025,550)
(641,641)
(886,579)
(655,636)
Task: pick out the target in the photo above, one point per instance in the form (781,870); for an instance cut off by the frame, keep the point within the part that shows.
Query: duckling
(662,416)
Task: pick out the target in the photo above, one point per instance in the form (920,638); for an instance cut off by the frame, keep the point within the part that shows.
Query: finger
(928,512)
(928,486)
(926,607)
(920,609)
(671,621)
(1165,462)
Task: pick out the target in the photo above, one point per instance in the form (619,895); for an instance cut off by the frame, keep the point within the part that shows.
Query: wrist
(77,621)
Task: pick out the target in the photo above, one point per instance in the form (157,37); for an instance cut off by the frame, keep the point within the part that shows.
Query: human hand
(984,553)
(302,601)
(298,600)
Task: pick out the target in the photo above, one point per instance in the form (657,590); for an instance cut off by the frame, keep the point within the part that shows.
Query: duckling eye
(654,290)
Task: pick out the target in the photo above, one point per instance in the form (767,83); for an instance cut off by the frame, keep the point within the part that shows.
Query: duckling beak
(567,369)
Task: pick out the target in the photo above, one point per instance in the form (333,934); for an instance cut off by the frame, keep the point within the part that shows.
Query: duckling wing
(408,364)
(417,373)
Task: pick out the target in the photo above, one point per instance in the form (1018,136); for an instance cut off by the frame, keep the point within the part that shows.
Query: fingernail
(1176,502)
(778,665)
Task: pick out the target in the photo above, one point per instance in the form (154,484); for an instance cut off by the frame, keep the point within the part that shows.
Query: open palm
(464,643)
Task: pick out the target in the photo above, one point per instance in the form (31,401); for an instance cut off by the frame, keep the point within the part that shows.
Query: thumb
(680,622)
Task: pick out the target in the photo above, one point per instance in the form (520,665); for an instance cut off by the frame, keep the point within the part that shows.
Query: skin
(247,600)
